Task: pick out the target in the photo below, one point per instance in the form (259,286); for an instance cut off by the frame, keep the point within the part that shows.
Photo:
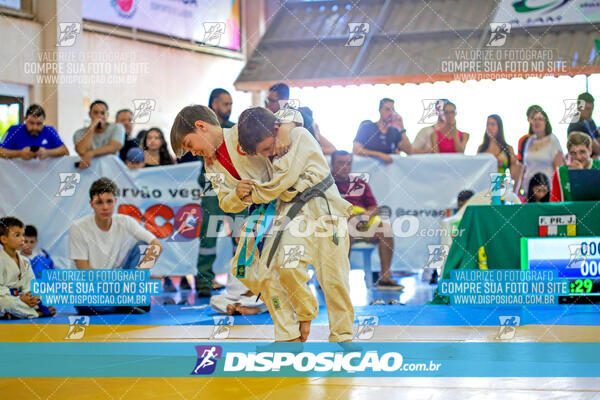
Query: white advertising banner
(215,23)
(418,192)
(51,194)
(547,12)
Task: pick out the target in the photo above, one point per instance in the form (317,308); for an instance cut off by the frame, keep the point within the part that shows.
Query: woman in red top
(449,139)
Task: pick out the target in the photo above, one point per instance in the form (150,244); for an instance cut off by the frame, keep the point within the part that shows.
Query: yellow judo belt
(299,201)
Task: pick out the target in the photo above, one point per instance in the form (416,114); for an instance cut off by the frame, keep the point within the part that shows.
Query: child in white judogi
(237,299)
(16,275)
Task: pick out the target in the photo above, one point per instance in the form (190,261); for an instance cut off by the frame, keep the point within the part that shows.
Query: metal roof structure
(307,44)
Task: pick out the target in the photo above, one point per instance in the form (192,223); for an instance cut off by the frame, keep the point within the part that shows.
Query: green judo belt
(267,212)
(298,202)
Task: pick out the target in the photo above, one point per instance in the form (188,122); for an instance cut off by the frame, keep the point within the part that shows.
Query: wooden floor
(300,388)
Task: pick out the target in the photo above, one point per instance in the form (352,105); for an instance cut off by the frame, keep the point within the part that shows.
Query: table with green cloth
(492,234)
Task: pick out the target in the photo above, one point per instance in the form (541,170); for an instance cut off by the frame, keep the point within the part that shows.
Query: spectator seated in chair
(365,224)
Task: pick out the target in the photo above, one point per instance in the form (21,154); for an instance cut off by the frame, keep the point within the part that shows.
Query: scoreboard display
(574,258)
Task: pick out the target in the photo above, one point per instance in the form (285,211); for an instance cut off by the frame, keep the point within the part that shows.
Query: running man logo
(68,183)
(217,180)
(573,109)
(437,256)
(358,183)
(357,33)
(557,225)
(498,33)
(508,326)
(67,33)
(207,359)
(222,327)
(292,253)
(366,327)
(213,32)
(77,327)
(142,110)
(432,110)
(187,225)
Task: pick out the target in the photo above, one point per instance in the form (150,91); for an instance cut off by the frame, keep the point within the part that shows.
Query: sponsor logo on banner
(77,326)
(547,12)
(508,326)
(357,33)
(125,8)
(207,359)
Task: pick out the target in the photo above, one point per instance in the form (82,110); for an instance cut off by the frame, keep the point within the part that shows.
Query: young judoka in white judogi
(237,299)
(317,233)
(196,129)
(16,275)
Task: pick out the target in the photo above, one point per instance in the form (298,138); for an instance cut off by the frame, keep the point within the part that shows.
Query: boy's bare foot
(246,310)
(232,309)
(304,330)
(52,311)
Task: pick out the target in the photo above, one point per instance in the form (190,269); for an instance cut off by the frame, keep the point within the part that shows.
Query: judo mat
(394,323)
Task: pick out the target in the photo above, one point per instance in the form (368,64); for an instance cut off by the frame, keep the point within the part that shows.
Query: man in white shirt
(107,241)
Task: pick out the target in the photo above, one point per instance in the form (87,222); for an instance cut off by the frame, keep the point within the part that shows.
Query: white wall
(339,111)
(171,77)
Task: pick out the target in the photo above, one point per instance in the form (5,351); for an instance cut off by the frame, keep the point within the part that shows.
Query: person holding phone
(384,137)
(99,138)
(32,139)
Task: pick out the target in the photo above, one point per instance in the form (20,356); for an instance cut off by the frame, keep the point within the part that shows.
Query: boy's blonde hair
(577,138)
(184,124)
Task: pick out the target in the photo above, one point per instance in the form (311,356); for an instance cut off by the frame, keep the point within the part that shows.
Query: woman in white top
(542,150)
